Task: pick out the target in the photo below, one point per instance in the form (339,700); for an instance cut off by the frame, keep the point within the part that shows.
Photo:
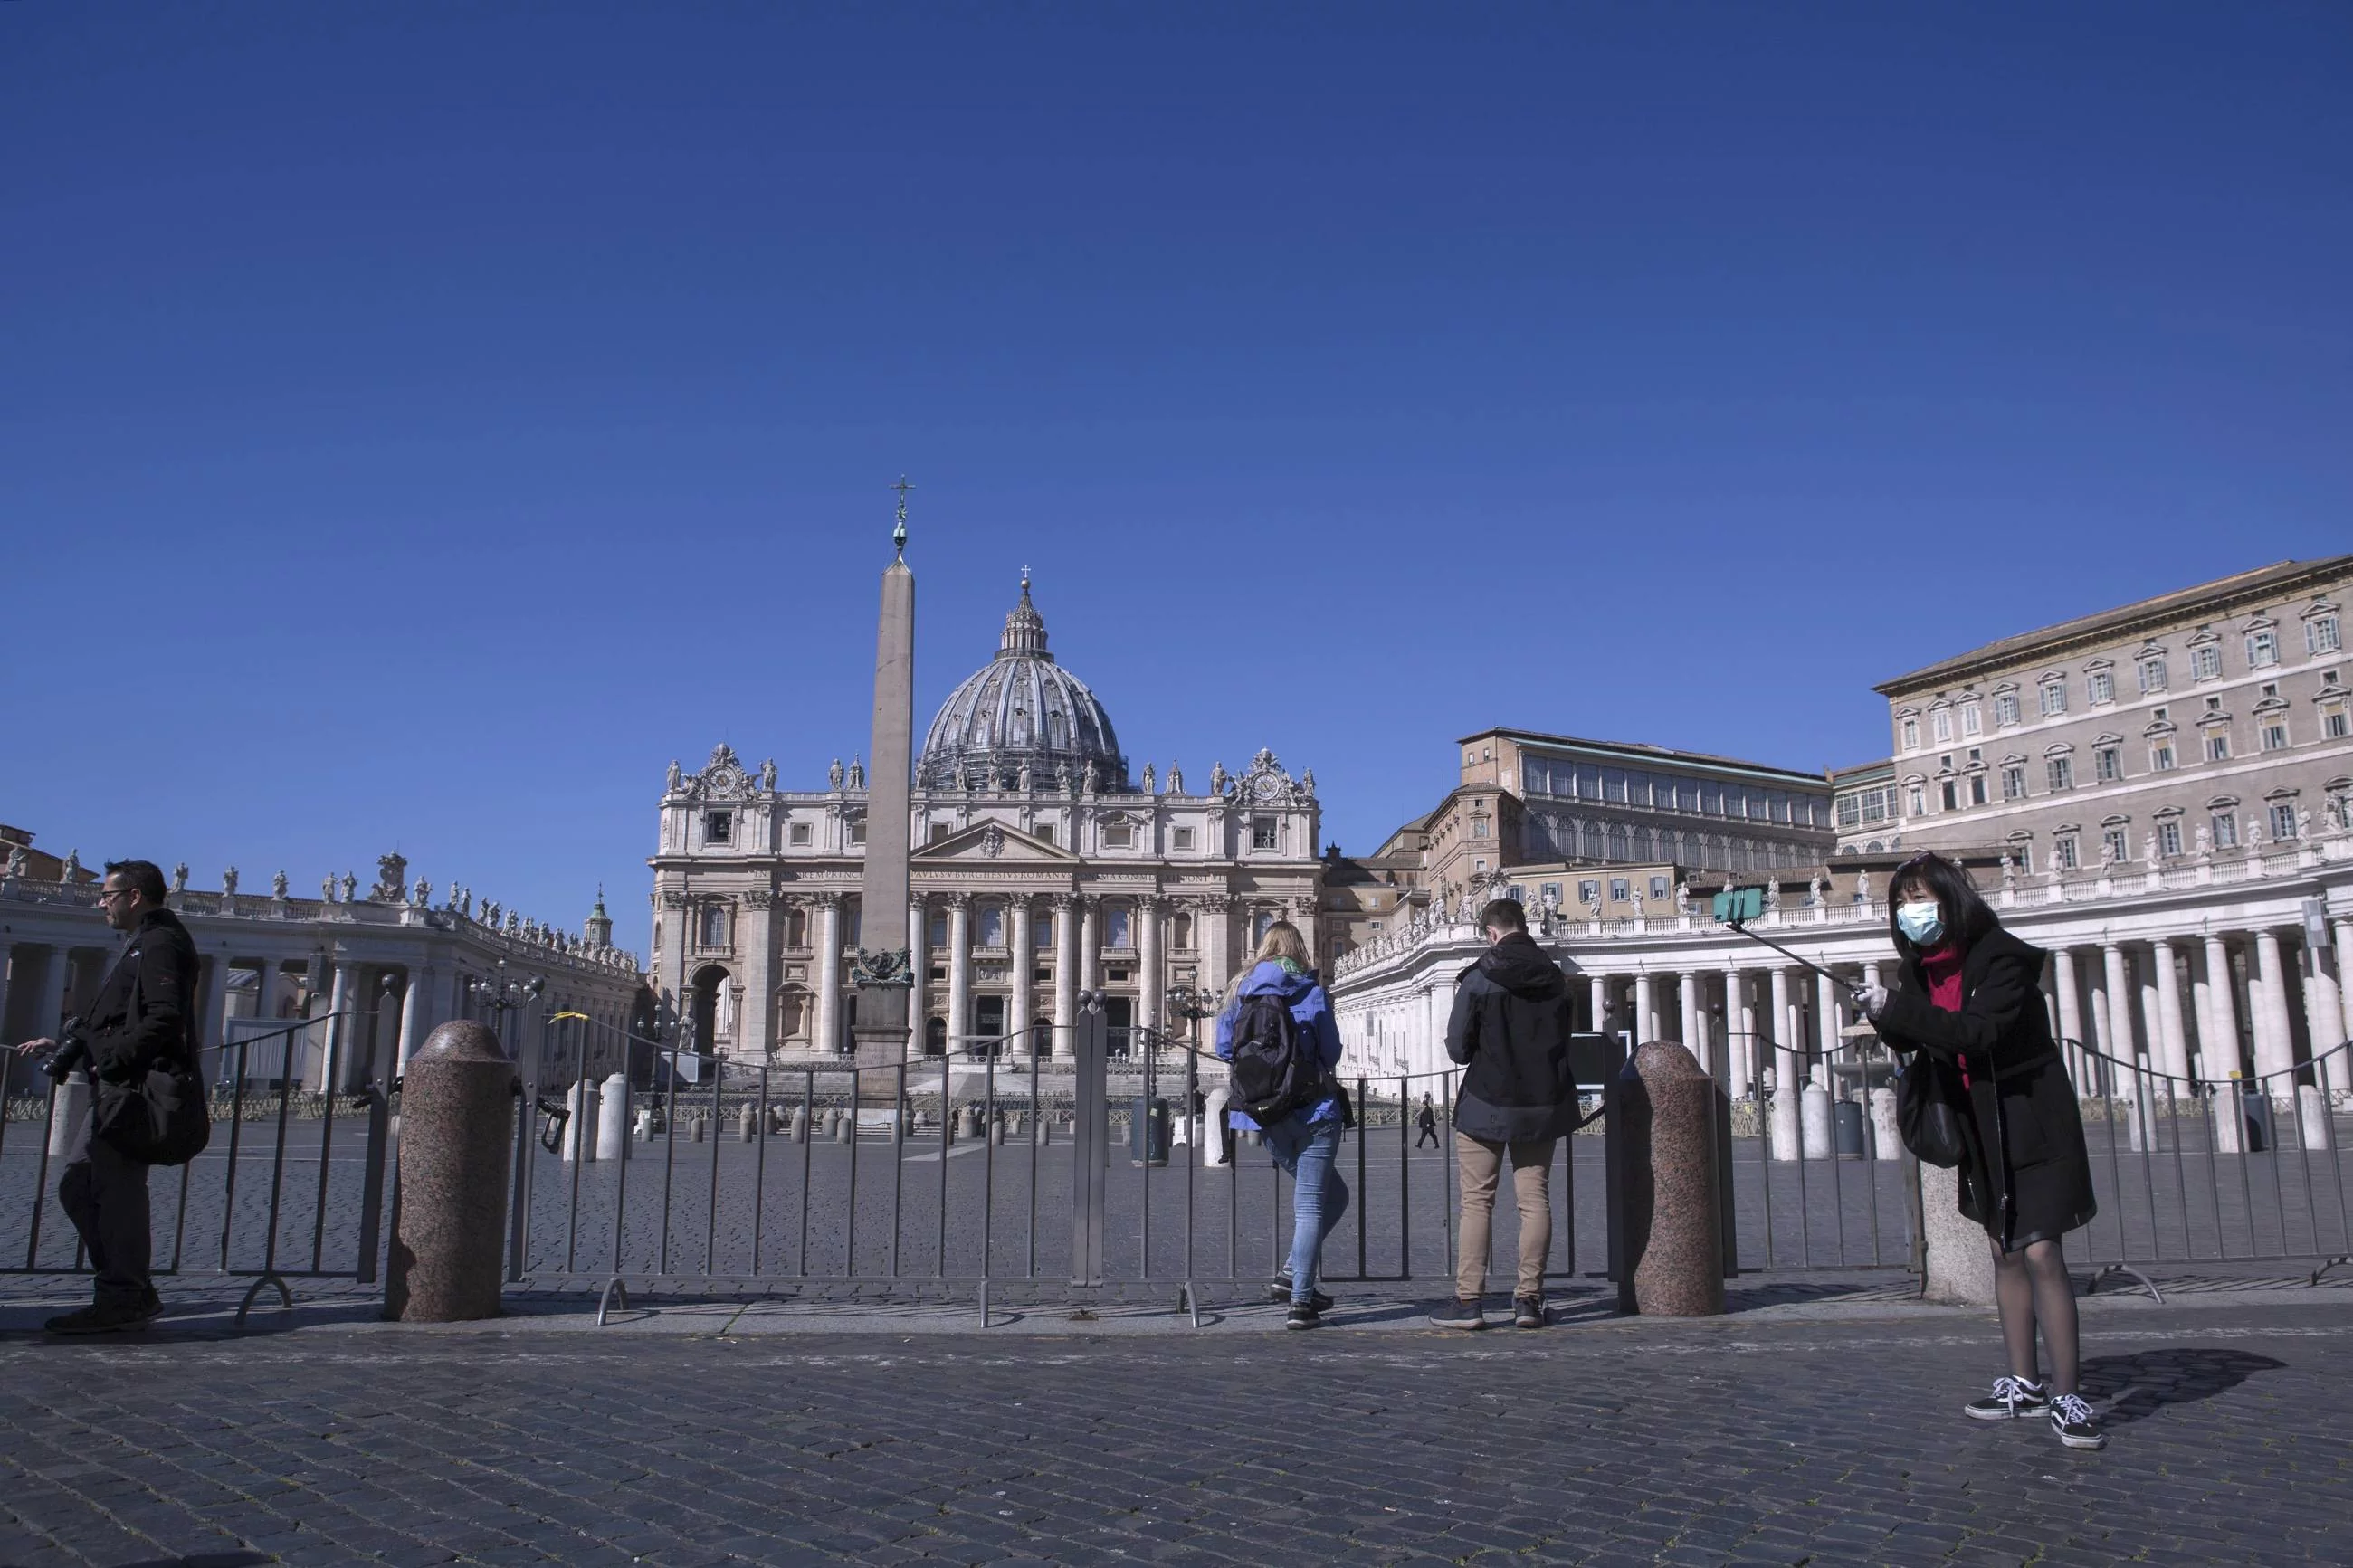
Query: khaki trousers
(1479,1162)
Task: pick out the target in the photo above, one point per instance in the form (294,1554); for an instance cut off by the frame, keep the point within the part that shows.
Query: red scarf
(1942,965)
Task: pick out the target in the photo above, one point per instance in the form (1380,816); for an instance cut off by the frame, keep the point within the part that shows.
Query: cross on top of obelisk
(899,534)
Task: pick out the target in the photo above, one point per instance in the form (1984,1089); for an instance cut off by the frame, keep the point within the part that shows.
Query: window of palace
(1264,835)
(2320,635)
(800,834)
(2054,696)
(2060,772)
(1620,890)
(2206,662)
(1911,733)
(2064,852)
(1588,891)
(2152,673)
(1972,719)
(2013,780)
(1941,721)
(718,826)
(2332,721)
(2160,755)
(1658,888)
(2217,745)
(2282,815)
(2108,763)
(2005,708)
(2100,686)
(2262,649)
(2225,827)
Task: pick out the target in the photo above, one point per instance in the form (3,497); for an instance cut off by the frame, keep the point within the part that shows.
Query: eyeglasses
(108,895)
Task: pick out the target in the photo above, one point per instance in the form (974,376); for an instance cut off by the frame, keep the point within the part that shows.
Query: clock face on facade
(1266,786)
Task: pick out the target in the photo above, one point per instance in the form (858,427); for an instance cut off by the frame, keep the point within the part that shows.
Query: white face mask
(1924,924)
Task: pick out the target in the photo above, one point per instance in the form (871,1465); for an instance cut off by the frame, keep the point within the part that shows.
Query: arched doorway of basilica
(987,1025)
(935,1036)
(1119,1024)
(709,1011)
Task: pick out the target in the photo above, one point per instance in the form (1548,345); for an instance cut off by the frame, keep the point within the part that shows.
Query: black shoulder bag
(1929,1105)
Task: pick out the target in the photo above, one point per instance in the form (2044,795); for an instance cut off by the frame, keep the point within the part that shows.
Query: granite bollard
(1887,1139)
(1213,1128)
(845,1127)
(1669,1188)
(1814,1122)
(613,1119)
(457,1146)
(2312,1115)
(72,1103)
(800,1124)
(747,1124)
(1958,1267)
(579,1106)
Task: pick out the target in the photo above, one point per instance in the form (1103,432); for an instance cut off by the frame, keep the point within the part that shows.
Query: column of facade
(1687,992)
(2221,1049)
(2274,1042)
(825,1031)
(334,1067)
(1827,1023)
(1018,934)
(2118,997)
(1646,1008)
(2340,1066)
(959,969)
(50,1012)
(919,969)
(1596,995)
(1154,975)
(755,1020)
(2172,1047)
(1091,945)
(672,935)
(1785,1069)
(2070,1022)
(1066,972)
(1739,1044)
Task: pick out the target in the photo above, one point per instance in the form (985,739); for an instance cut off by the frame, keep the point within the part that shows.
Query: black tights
(2032,1286)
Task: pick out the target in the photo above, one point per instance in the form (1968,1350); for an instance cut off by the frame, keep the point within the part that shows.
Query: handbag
(1929,1105)
(160,1118)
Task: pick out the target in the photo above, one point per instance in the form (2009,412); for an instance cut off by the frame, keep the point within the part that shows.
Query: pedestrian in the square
(1278,984)
(1509,1031)
(1970,994)
(144,1012)
(1425,1122)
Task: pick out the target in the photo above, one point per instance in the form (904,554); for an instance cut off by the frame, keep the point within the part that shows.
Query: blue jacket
(1309,1005)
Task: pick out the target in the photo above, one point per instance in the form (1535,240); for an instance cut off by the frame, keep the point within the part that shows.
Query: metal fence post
(1090,1145)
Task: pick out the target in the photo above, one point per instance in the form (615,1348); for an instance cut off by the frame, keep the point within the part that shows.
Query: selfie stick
(1738,909)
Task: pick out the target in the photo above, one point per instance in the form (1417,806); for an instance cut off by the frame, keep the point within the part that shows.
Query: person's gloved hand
(1873,1000)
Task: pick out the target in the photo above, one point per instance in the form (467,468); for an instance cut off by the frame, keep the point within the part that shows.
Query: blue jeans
(1306,1151)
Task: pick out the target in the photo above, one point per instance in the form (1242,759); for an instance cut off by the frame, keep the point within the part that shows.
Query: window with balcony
(991,926)
(2022,851)
(1587,892)
(2116,844)
(1658,889)
(2168,837)
(2065,853)
(2224,823)
(2283,815)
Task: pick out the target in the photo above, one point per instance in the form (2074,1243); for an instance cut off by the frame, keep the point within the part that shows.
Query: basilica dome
(1021,712)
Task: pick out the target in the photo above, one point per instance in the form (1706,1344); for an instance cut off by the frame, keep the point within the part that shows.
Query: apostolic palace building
(1043,866)
(2156,794)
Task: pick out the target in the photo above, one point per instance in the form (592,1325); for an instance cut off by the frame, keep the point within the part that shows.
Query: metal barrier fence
(264,1201)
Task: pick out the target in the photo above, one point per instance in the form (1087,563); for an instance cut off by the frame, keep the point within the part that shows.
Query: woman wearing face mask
(1970,994)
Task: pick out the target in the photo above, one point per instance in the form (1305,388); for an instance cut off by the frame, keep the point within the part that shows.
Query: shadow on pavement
(2140,1385)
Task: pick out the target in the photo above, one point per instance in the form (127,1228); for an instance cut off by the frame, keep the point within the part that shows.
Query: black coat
(2003,1034)
(145,1009)
(1510,1029)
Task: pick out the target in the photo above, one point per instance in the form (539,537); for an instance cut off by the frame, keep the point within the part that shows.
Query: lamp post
(1192,1004)
(502,994)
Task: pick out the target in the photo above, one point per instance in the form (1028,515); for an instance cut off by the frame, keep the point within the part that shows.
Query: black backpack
(1277,1070)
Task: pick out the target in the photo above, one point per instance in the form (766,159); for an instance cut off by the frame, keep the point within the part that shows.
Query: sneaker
(100,1318)
(2012,1398)
(2072,1418)
(1457,1314)
(1303,1315)
(1279,1290)
(1527,1312)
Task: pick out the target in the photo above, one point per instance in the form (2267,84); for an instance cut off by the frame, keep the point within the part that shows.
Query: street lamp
(501,994)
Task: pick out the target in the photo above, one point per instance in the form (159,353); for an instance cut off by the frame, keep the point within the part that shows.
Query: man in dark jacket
(1510,1032)
(145,1011)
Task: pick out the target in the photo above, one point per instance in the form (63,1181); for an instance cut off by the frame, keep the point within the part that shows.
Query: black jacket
(2003,1033)
(146,1008)
(1510,1029)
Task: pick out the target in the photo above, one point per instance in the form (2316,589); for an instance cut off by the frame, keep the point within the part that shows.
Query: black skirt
(2048,1171)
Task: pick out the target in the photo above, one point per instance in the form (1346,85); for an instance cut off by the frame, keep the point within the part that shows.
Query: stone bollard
(1814,1117)
(747,1124)
(1960,1269)
(612,1120)
(968,1123)
(1670,1197)
(644,1131)
(800,1124)
(580,1106)
(1887,1143)
(72,1103)
(1213,1128)
(458,1100)
(2312,1115)
(997,1130)
(697,1130)
(2229,1119)
(845,1128)
(1041,1131)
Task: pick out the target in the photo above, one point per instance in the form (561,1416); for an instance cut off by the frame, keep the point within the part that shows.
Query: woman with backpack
(1970,997)
(1278,1033)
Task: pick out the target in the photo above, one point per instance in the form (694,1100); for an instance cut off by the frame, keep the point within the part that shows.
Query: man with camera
(144,1012)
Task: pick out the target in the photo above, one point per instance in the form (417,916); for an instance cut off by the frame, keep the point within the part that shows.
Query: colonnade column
(826,1028)
(1066,972)
(1739,1045)
(2221,1049)
(2323,1016)
(2071,1016)
(1646,1009)
(1687,985)
(2340,1069)
(2172,1043)
(756,1022)
(1826,1029)
(1156,974)
(1597,993)
(1024,948)
(416,1001)
(1786,1088)
(2118,1009)
(51,1012)
(959,969)
(7,962)
(2275,1043)
(1091,944)
(334,1066)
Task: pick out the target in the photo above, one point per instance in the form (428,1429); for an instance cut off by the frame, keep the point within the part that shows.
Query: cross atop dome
(1025,628)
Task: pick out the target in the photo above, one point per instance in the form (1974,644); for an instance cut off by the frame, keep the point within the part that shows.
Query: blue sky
(419,423)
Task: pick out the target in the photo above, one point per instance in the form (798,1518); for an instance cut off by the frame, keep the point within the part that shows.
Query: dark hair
(1504,914)
(141,877)
(1967,918)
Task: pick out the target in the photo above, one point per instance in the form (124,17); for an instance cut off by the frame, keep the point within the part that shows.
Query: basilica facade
(1043,867)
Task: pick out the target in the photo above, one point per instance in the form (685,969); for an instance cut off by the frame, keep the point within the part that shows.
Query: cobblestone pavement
(1746,1439)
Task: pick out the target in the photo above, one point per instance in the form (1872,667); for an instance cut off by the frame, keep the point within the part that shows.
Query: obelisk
(881,973)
